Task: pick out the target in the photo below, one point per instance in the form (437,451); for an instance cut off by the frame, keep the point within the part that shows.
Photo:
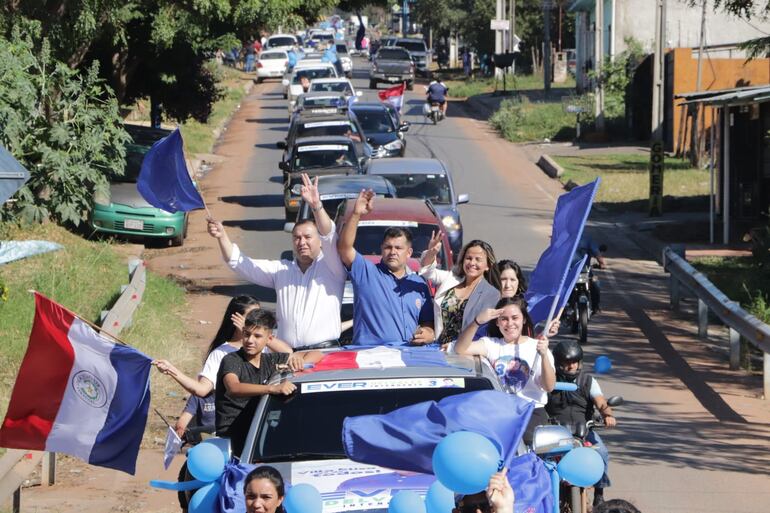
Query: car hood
(349,486)
(125,193)
(445,210)
(380,138)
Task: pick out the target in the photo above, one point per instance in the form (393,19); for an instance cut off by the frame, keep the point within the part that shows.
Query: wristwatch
(318,209)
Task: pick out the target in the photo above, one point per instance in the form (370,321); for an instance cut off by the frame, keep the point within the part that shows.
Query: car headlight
(102,198)
(450,223)
(394,145)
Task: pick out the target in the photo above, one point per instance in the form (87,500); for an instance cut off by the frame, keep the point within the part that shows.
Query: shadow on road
(258,200)
(257,225)
(268,121)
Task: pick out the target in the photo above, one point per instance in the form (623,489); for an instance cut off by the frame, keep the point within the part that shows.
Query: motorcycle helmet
(567,351)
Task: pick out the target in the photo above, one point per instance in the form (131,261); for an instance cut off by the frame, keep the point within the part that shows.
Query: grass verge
(462,87)
(523,121)
(625,177)
(86,277)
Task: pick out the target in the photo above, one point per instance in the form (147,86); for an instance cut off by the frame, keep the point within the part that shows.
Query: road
(692,437)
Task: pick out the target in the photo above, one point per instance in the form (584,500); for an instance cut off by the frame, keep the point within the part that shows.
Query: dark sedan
(386,138)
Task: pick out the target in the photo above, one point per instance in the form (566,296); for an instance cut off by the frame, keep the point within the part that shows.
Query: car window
(433,187)
(134,157)
(341,48)
(312,74)
(412,46)
(326,128)
(393,54)
(283,432)
(281,41)
(375,121)
(324,155)
(331,87)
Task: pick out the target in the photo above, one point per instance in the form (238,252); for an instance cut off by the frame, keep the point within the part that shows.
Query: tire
(260,80)
(582,324)
(290,216)
(410,86)
(434,117)
(372,84)
(178,241)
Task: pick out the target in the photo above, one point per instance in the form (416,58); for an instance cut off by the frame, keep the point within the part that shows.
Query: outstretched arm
(201,387)
(217,231)
(345,246)
(465,343)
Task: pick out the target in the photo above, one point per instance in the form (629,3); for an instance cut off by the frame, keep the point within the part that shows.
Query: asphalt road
(693,436)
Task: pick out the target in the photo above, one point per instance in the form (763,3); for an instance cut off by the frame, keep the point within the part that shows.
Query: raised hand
(364,202)
(488,315)
(239,321)
(309,191)
(542,345)
(215,228)
(434,247)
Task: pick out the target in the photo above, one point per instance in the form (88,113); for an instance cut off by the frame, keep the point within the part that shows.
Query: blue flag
(164,181)
(404,439)
(551,271)
(539,306)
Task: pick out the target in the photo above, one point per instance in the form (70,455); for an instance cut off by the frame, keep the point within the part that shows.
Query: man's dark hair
(260,319)
(394,232)
(616,506)
(303,222)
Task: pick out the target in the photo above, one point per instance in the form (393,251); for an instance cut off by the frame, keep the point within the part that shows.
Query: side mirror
(615,400)
(281,145)
(283,166)
(404,127)
(370,140)
(288,227)
(463,198)
(359,93)
(296,189)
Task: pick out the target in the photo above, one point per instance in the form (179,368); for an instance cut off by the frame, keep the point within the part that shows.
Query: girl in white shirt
(227,340)
(523,364)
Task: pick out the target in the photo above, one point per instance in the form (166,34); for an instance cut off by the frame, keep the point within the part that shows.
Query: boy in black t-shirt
(243,376)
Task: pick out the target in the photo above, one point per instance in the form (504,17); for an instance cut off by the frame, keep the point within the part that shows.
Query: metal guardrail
(740,323)
(16,466)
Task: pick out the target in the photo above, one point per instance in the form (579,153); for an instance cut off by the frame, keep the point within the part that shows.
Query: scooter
(552,442)
(578,311)
(433,112)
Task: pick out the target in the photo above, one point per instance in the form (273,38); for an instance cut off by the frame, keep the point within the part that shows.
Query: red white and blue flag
(382,357)
(78,393)
(394,95)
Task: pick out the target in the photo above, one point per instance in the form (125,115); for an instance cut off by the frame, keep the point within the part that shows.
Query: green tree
(62,125)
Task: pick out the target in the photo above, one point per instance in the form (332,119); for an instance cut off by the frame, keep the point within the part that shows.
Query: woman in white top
(523,364)
(227,340)
(470,288)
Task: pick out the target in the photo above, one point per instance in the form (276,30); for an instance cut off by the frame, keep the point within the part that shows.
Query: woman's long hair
(502,265)
(272,475)
(527,329)
(238,304)
(492,275)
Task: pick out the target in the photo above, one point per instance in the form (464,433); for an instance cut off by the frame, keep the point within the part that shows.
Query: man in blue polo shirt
(392,306)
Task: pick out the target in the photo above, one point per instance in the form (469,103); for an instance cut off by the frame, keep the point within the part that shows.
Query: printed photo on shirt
(513,372)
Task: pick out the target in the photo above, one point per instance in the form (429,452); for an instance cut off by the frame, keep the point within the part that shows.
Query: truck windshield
(391,54)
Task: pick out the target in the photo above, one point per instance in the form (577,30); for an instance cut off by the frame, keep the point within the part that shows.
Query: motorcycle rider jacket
(570,408)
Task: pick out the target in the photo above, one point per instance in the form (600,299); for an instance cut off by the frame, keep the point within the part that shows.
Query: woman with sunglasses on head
(227,340)
(524,365)
(470,288)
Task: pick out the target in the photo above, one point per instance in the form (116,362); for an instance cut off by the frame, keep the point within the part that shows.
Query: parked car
(316,122)
(335,189)
(281,42)
(392,65)
(416,215)
(316,156)
(271,64)
(344,56)
(427,179)
(385,137)
(124,212)
(418,50)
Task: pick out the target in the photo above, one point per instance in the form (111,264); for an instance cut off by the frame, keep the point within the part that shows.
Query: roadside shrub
(521,121)
(63,126)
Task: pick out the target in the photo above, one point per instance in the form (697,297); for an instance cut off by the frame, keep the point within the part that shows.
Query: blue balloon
(222,443)
(581,466)
(439,499)
(464,462)
(406,502)
(205,462)
(180,486)
(303,498)
(205,499)
(602,365)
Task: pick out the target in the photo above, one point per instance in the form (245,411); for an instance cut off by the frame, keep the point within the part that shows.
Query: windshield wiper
(303,456)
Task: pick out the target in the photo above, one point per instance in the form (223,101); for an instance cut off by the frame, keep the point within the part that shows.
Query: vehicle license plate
(134,224)
(394,79)
(434,108)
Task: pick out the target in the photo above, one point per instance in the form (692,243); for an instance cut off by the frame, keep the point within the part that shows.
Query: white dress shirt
(307,304)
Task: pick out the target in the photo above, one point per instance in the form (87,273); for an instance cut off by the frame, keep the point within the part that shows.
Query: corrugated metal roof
(12,175)
(735,96)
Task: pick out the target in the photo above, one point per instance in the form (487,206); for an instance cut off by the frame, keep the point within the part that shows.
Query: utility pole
(598,65)
(695,138)
(498,35)
(658,97)
(547,46)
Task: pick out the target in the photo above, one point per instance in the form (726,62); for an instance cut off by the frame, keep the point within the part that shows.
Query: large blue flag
(404,439)
(550,274)
(164,181)
(539,306)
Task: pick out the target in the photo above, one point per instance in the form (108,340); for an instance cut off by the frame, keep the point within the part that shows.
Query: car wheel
(410,86)
(260,80)
(372,84)
(178,241)
(288,214)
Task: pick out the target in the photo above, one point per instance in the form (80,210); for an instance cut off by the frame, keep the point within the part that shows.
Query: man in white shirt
(309,288)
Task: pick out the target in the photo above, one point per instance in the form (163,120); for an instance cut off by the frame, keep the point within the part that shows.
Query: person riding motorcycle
(571,408)
(587,246)
(436,93)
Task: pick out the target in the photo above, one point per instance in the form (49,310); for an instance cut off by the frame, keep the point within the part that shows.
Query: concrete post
(735,349)
(703,319)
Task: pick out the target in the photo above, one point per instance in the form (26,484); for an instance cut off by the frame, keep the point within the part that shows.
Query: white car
(343,86)
(322,70)
(281,42)
(271,64)
(305,62)
(344,56)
